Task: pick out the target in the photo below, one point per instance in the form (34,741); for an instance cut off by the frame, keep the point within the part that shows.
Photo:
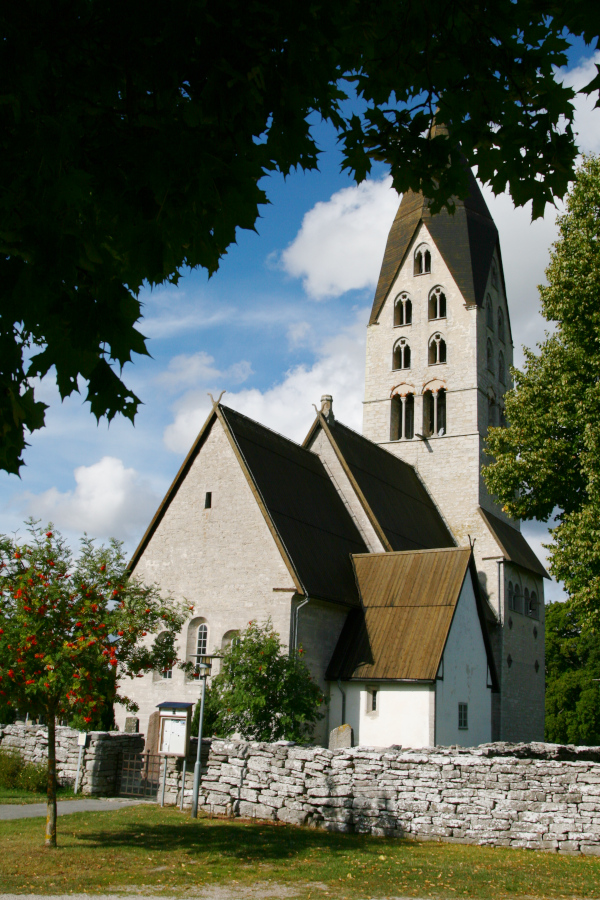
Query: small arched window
(500,324)
(437,304)
(492,412)
(202,640)
(518,599)
(434,413)
(501,368)
(437,350)
(511,598)
(229,638)
(489,312)
(403,310)
(402,355)
(422,264)
(534,610)
(502,416)
(402,422)
(495,280)
(490,355)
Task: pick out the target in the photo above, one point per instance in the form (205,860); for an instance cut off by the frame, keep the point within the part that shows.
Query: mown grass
(164,849)
(18,795)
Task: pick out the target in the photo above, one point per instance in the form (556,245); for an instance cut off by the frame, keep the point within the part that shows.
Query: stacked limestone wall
(539,796)
(101,757)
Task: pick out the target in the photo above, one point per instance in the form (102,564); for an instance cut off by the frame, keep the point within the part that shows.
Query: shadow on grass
(239,839)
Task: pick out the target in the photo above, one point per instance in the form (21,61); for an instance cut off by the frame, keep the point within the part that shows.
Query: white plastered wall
(405,713)
(223,562)
(464,679)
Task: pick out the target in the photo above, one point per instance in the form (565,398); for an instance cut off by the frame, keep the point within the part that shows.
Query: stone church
(418,603)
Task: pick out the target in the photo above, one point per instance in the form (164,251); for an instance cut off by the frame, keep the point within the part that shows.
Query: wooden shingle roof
(466,240)
(408,603)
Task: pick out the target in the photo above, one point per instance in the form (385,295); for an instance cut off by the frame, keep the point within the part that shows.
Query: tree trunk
(51,801)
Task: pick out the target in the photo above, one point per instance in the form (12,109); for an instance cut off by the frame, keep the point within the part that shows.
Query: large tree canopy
(134,137)
(549,456)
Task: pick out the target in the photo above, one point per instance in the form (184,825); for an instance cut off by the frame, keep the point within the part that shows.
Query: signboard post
(81,743)
(173,735)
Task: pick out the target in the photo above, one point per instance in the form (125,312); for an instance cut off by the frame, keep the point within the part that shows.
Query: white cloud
(299,334)
(287,406)
(108,501)
(341,242)
(187,370)
(587,117)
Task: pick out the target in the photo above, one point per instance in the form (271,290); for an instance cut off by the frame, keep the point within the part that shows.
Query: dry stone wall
(538,796)
(101,757)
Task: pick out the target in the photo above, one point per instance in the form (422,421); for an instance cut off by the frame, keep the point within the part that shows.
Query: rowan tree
(72,630)
(135,138)
(263,692)
(547,461)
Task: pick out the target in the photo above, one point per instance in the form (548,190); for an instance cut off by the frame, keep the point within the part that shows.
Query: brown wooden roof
(466,240)
(408,602)
(513,545)
(394,498)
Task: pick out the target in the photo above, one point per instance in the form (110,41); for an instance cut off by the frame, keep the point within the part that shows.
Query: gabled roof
(310,517)
(466,240)
(513,545)
(408,601)
(305,514)
(394,498)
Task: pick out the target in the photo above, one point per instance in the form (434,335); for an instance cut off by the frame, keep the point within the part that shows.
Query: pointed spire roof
(466,240)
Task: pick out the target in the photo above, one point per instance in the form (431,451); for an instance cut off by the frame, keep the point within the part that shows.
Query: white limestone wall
(221,564)
(405,713)
(464,678)
(322,447)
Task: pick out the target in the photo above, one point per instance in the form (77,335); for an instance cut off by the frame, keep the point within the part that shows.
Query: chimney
(327,407)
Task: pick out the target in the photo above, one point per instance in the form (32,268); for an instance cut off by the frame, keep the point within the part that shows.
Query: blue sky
(282,322)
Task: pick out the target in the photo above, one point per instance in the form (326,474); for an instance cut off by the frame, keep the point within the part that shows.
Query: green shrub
(11,766)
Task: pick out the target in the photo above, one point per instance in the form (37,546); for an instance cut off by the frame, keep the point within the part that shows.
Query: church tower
(439,351)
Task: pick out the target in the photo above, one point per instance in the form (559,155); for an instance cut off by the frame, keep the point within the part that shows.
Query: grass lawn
(16,795)
(168,851)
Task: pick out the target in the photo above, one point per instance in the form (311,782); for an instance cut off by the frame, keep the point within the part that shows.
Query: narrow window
(511,599)
(374,700)
(427,262)
(409,417)
(491,412)
(201,643)
(418,270)
(402,311)
(489,312)
(500,324)
(501,368)
(518,599)
(490,355)
(208,500)
(396,419)
(437,304)
(437,350)
(463,716)
(434,413)
(402,355)
(533,606)
(502,416)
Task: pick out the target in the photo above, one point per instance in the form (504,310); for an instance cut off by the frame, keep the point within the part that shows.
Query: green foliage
(549,456)
(26,776)
(210,725)
(135,137)
(572,677)
(263,693)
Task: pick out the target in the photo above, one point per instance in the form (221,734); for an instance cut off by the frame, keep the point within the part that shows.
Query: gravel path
(31,810)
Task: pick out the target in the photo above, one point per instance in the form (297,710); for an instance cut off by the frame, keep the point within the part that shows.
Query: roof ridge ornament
(216,402)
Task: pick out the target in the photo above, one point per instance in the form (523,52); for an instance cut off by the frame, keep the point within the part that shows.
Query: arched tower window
(197,640)
(434,413)
(401,355)
(495,279)
(437,350)
(491,412)
(489,312)
(534,609)
(518,599)
(403,310)
(437,304)
(500,324)
(501,368)
(511,598)
(490,355)
(402,422)
(422,264)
